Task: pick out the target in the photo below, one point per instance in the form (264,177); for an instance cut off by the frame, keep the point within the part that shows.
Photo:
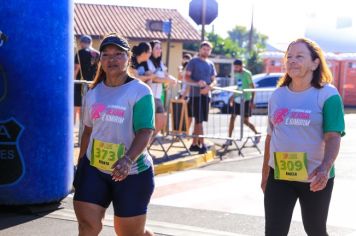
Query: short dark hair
(85,39)
(206,43)
(238,62)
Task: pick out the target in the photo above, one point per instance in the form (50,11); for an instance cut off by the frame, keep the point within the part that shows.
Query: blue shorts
(130,197)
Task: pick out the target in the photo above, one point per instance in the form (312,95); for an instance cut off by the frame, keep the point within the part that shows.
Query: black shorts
(159,108)
(77,95)
(130,197)
(235,109)
(198,107)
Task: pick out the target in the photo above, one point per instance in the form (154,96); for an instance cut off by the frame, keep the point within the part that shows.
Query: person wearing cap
(114,165)
(85,66)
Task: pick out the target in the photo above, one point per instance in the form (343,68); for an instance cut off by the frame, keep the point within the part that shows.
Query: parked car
(266,82)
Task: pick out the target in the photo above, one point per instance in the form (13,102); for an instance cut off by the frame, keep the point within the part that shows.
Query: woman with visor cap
(114,165)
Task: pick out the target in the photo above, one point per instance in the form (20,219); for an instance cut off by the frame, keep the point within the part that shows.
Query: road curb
(185,163)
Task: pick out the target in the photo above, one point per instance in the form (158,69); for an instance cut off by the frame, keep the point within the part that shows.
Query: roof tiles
(130,22)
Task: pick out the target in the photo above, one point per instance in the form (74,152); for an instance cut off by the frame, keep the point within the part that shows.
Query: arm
(213,82)
(188,79)
(140,142)
(252,86)
(265,167)
(122,166)
(321,173)
(85,141)
(76,70)
(207,88)
(144,78)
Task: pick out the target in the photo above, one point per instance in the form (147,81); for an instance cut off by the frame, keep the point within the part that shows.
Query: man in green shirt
(243,79)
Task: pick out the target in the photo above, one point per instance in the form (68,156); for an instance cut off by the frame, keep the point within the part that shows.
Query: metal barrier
(217,126)
(84,89)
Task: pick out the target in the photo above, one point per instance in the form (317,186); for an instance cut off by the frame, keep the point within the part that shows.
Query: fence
(220,118)
(179,126)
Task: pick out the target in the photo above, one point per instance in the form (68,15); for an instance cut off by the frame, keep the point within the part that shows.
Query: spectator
(243,79)
(184,93)
(85,66)
(157,67)
(200,71)
(138,67)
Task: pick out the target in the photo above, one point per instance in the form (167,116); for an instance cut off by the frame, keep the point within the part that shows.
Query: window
(267,82)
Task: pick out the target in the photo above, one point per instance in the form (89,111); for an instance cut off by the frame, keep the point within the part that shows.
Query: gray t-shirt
(298,121)
(200,70)
(116,114)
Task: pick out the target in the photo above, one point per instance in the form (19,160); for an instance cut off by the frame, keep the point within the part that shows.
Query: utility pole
(203,17)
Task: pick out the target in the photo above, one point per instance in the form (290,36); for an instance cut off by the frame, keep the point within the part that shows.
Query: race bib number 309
(290,166)
(105,154)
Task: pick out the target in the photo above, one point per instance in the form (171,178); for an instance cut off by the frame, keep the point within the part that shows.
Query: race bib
(290,166)
(104,154)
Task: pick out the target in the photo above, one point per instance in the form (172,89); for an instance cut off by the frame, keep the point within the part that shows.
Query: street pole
(168,42)
(203,13)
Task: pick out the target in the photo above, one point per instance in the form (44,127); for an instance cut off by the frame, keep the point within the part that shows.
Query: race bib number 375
(290,166)
(105,154)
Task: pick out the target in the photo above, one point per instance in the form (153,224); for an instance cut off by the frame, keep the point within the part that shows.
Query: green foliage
(254,63)
(236,46)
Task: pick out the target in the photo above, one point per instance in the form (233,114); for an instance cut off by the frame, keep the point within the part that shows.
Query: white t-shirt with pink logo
(116,113)
(298,121)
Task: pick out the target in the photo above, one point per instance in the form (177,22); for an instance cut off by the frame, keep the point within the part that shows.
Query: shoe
(227,143)
(256,140)
(203,149)
(194,148)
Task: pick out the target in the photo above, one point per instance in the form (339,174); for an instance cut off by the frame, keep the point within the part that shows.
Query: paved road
(223,198)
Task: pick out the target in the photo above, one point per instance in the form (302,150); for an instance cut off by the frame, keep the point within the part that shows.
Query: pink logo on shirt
(96,109)
(279,115)
(116,112)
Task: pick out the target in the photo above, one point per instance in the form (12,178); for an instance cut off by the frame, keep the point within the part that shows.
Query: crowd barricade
(84,89)
(216,128)
(180,126)
(258,118)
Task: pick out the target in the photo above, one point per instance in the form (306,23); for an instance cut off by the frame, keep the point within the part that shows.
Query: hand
(121,169)
(205,90)
(319,177)
(264,180)
(202,83)
(263,184)
(231,101)
(170,81)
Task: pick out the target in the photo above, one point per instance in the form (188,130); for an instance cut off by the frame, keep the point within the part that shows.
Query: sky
(281,20)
